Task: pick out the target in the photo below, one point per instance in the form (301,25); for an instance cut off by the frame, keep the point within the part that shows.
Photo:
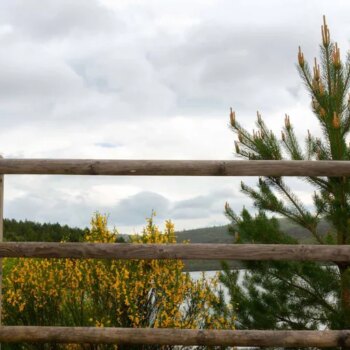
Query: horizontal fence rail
(174,167)
(149,336)
(193,251)
(187,337)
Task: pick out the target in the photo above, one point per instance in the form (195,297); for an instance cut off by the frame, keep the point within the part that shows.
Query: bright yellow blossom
(119,293)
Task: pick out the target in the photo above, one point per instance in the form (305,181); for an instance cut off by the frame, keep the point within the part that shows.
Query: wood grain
(174,167)
(2,179)
(195,251)
(264,338)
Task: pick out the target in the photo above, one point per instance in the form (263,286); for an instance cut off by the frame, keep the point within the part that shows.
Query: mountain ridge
(32,231)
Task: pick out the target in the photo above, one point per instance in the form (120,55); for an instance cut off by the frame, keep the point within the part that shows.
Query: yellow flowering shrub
(118,293)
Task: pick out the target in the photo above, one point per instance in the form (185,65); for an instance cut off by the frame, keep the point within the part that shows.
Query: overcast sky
(147,80)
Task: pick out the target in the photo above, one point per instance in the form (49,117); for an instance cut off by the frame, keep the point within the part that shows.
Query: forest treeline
(31,231)
(17,231)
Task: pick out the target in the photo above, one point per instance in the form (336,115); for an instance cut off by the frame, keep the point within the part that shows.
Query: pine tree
(294,295)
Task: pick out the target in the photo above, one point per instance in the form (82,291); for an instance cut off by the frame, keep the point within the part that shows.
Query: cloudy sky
(147,80)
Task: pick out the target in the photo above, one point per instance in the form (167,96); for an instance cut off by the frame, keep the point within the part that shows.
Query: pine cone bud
(287,122)
(316,70)
(336,57)
(240,137)
(336,121)
(325,33)
(232,117)
(301,58)
(320,88)
(258,116)
(322,112)
(283,136)
(318,154)
(237,147)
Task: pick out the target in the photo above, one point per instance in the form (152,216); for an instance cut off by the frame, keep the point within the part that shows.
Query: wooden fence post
(1,237)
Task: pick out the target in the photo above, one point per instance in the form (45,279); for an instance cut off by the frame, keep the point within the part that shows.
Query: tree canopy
(293,295)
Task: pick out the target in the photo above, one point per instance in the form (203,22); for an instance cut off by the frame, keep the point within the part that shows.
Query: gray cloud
(106,79)
(57,19)
(124,74)
(219,65)
(134,209)
(201,206)
(74,208)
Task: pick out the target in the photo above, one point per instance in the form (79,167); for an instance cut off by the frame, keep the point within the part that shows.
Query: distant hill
(220,234)
(216,234)
(32,231)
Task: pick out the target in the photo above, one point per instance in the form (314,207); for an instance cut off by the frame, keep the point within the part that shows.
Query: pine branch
(313,294)
(257,145)
(290,141)
(304,218)
(327,83)
(305,74)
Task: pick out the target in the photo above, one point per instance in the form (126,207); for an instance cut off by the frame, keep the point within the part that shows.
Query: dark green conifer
(292,295)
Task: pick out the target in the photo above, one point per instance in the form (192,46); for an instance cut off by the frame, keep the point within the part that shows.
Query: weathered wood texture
(208,251)
(15,334)
(1,238)
(174,167)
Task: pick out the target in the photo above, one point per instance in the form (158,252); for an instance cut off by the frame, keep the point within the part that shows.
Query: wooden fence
(263,338)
